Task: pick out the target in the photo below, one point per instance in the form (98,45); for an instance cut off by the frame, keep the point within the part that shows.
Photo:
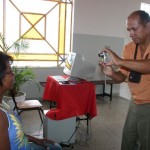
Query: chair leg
(40,116)
(19,112)
(42,111)
(16,110)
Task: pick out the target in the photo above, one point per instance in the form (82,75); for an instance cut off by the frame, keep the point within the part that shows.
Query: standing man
(135,69)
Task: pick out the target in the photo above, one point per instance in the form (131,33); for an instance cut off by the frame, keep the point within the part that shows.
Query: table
(98,82)
(72,99)
(108,82)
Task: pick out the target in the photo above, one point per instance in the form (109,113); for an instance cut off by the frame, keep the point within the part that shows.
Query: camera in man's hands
(104,57)
(134,77)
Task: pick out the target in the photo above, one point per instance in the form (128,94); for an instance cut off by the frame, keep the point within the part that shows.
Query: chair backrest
(15,103)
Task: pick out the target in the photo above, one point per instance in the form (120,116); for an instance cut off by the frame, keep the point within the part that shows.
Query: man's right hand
(106,69)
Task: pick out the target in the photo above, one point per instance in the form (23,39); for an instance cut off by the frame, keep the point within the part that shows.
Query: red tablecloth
(72,100)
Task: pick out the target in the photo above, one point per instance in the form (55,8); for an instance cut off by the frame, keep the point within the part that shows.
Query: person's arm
(40,142)
(4,137)
(141,66)
(118,76)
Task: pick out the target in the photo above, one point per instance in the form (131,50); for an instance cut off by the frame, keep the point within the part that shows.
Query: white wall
(1,16)
(96,23)
(103,17)
(100,17)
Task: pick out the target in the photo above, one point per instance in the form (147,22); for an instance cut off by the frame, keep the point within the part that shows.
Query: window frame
(58,57)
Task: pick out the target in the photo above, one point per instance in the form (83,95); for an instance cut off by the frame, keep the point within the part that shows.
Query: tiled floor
(105,129)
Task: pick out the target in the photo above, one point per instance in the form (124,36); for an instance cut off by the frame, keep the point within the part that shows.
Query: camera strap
(136,48)
(134,76)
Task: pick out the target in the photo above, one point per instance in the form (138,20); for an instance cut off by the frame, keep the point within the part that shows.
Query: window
(47,26)
(145,7)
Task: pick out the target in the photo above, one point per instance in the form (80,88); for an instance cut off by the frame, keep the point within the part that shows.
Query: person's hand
(115,59)
(43,142)
(106,69)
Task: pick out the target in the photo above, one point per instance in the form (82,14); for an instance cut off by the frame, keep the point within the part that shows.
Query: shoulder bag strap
(136,48)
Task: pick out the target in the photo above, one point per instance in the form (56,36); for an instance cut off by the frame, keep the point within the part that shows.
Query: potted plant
(22,75)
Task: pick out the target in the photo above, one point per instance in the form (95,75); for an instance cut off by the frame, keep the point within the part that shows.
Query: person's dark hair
(144,17)
(4,58)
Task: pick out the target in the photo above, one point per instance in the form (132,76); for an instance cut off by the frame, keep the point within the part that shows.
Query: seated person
(12,136)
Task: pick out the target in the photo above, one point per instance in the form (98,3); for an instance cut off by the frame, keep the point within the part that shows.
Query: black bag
(134,76)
